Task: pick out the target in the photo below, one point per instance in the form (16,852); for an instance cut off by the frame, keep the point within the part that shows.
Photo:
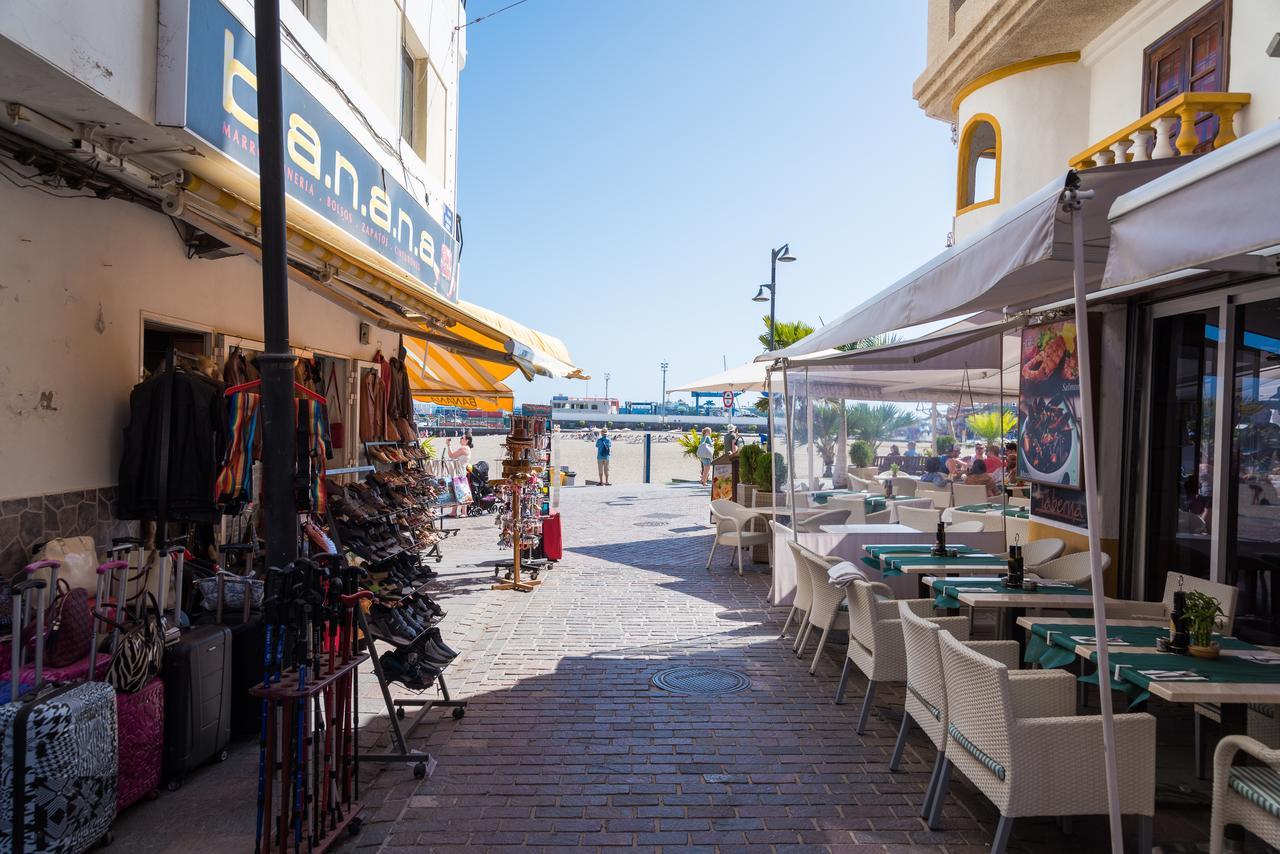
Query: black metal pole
(773,293)
(276,364)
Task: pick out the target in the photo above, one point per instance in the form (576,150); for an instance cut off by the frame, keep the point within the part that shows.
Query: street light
(783,254)
(608,376)
(664,367)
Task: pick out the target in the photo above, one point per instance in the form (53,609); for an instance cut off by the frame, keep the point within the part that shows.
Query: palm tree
(874,424)
(869,342)
(785,333)
(991,427)
(826,432)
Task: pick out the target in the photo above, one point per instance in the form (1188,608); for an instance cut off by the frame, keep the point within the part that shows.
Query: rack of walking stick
(308,766)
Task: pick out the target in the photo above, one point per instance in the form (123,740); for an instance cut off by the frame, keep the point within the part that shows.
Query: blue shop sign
(326,169)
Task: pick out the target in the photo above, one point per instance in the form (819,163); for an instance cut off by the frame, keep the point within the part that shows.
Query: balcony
(1192,121)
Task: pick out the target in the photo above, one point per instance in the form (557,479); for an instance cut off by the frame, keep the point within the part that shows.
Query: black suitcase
(197,701)
(248,638)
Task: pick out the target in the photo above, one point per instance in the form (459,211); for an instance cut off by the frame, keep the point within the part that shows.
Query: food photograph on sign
(1049,405)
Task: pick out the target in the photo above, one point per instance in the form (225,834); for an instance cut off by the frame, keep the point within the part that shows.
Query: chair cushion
(1259,785)
(933,710)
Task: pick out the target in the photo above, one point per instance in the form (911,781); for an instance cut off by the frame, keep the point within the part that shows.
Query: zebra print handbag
(137,658)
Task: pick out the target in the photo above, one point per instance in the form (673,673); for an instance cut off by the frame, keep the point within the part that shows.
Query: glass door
(1180,535)
(1253,485)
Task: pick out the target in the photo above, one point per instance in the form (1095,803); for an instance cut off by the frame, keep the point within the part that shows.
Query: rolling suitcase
(58,791)
(197,693)
(552,545)
(139,718)
(248,637)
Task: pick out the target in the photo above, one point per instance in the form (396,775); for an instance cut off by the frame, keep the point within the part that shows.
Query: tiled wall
(24,522)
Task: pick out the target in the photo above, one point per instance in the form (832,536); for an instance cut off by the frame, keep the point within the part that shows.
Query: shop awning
(1221,212)
(1021,261)
(748,377)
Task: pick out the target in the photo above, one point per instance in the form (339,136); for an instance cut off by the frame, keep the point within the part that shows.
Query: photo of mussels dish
(1048,429)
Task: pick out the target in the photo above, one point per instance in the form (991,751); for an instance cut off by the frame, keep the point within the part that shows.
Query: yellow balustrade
(1151,137)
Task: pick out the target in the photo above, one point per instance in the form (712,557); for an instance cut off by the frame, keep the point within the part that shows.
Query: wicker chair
(1018,501)
(856,506)
(872,486)
(920,518)
(941,496)
(990,521)
(974,526)
(1018,744)
(803,599)
(732,523)
(926,698)
(905,487)
(1038,552)
(1245,795)
(826,600)
(813,524)
(969,493)
(875,638)
(1072,568)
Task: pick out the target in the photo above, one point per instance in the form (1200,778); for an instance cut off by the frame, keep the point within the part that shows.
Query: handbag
(461,490)
(70,626)
(78,557)
(337,429)
(137,659)
(233,592)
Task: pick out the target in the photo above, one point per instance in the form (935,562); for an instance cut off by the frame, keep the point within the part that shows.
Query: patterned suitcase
(57,757)
(141,738)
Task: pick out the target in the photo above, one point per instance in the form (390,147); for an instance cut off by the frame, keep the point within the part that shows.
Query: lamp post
(664,367)
(783,254)
(607,377)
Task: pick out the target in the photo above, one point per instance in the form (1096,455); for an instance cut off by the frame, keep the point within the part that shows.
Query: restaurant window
(978,182)
(1181,484)
(1192,57)
(408,96)
(1253,537)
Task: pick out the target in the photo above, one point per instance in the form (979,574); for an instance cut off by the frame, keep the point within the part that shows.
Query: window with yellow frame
(978,180)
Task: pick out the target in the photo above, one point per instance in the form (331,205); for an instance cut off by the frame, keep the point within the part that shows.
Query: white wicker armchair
(732,529)
(875,638)
(856,505)
(826,599)
(803,599)
(1017,742)
(812,524)
(969,493)
(920,518)
(1245,795)
(1072,568)
(905,487)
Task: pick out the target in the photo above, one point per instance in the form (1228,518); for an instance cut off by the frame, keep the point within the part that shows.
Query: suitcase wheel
(400,712)
(420,771)
(357,824)
(173,785)
(222,757)
(458,713)
(107,839)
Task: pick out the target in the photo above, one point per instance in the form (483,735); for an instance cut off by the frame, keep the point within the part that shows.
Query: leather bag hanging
(136,661)
(70,626)
(337,427)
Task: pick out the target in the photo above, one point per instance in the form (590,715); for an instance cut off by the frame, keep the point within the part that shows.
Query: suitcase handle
(19,623)
(112,566)
(41,564)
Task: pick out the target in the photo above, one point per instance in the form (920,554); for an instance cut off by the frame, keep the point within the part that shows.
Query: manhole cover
(700,680)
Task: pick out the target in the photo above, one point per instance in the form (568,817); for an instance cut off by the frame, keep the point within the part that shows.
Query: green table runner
(950,588)
(1053,644)
(994,507)
(1133,672)
(894,564)
(823,497)
(876,552)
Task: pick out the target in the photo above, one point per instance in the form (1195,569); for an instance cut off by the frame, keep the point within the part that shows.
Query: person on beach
(706,451)
(732,440)
(604,447)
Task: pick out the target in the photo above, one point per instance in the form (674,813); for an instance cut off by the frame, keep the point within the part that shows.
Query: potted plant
(1201,615)
(749,458)
(861,454)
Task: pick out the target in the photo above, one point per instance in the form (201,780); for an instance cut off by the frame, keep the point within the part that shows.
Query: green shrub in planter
(943,444)
(861,454)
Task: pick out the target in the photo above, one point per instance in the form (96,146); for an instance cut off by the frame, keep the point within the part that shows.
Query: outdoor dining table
(991,509)
(990,592)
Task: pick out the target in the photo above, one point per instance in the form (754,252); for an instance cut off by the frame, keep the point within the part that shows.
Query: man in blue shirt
(604,447)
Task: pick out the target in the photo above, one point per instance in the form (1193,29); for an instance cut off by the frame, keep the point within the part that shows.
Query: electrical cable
(490,15)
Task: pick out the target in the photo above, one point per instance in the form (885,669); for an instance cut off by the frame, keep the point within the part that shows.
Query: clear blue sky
(626,166)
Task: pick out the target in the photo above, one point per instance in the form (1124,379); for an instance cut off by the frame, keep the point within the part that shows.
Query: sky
(625,168)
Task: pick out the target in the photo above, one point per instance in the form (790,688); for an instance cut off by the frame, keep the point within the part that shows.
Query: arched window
(979,177)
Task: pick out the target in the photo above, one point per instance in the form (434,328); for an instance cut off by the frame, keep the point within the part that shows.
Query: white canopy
(1220,212)
(1022,260)
(748,377)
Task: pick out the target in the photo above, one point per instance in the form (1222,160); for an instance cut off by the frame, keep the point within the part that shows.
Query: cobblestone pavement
(566,744)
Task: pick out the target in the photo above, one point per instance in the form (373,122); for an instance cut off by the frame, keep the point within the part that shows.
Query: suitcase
(552,544)
(248,638)
(58,790)
(140,736)
(139,720)
(197,701)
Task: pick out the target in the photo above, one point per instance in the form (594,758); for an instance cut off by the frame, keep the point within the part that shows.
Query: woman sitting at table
(978,474)
(955,465)
(933,472)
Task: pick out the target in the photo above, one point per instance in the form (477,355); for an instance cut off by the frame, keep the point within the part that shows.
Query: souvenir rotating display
(526,466)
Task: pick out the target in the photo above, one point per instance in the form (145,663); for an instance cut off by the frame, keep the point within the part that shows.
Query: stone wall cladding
(27,522)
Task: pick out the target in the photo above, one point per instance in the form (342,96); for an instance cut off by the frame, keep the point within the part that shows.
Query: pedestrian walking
(604,447)
(706,451)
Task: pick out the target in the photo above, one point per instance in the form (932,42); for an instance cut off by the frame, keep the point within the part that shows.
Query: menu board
(1049,443)
(722,481)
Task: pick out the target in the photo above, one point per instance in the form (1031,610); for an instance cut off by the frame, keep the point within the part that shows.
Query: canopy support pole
(808,408)
(841,473)
(1072,202)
